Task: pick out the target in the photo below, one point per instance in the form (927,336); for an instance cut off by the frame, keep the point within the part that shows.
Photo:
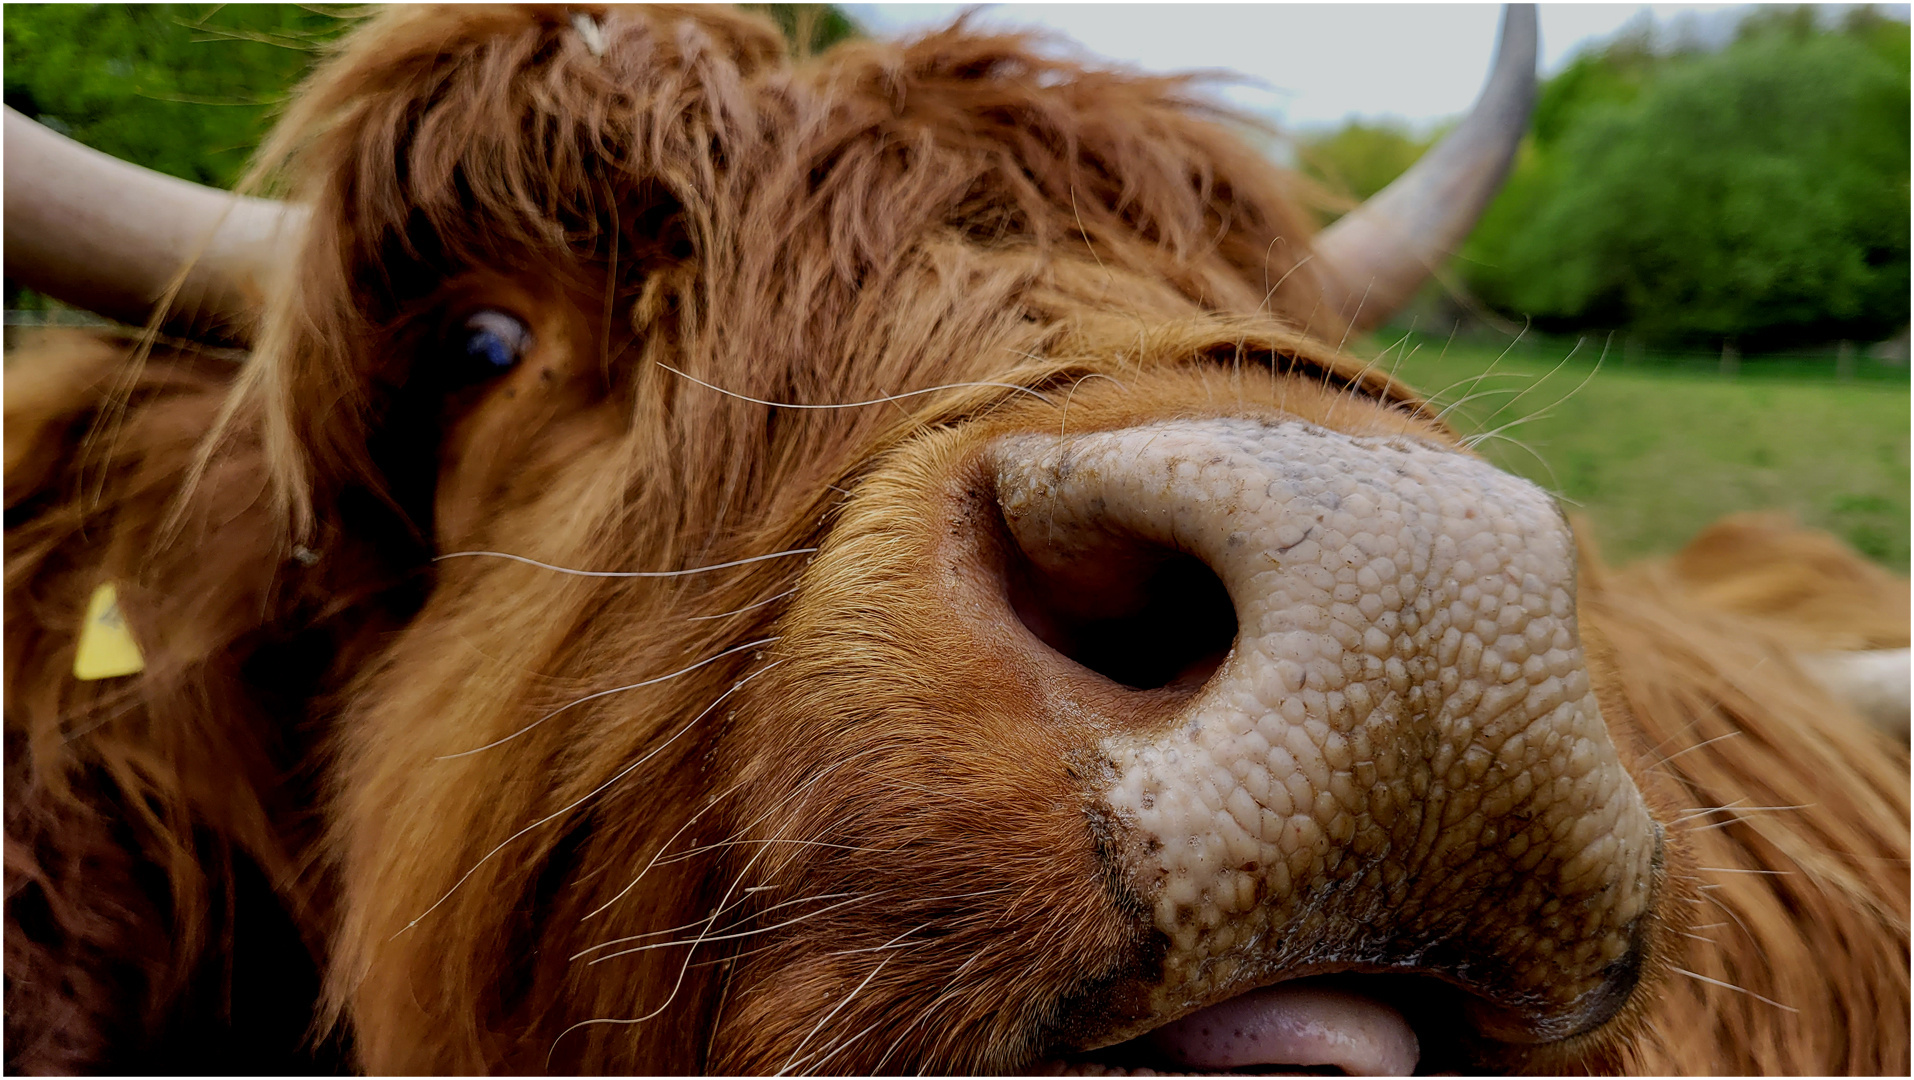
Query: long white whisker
(1697,746)
(1108,280)
(1499,357)
(1454,328)
(1085,233)
(1064,421)
(1554,487)
(1760,950)
(1547,411)
(806,786)
(734,957)
(812,1067)
(1279,281)
(724,902)
(1349,388)
(1676,734)
(1701,812)
(693,925)
(1478,394)
(1353,319)
(1736,989)
(848,998)
(633,883)
(655,859)
(728,935)
(660,748)
(745,608)
(690,852)
(675,986)
(1736,819)
(605,693)
(878,948)
(856,404)
(621,573)
(1402,354)
(1716,825)
(1525,390)
(945,995)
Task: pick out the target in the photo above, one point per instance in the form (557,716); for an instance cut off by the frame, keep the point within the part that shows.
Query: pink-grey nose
(1365,737)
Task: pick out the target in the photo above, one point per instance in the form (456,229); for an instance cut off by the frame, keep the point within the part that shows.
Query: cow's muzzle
(1344,732)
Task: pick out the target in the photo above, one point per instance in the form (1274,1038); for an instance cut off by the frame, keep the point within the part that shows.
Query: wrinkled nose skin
(1399,764)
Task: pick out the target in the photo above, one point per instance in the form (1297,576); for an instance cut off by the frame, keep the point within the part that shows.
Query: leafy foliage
(187,89)
(810,28)
(1758,193)
(191,89)
(1357,160)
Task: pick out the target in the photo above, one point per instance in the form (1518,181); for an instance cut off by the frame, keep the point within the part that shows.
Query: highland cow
(664,556)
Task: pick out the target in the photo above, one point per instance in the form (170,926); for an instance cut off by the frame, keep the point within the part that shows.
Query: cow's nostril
(1138,614)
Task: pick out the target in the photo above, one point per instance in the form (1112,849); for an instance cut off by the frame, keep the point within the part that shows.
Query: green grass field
(1652,452)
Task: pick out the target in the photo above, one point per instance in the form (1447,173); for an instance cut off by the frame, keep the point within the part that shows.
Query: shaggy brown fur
(1803,585)
(677,876)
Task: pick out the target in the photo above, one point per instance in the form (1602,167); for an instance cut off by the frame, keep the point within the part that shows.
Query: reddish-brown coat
(881,220)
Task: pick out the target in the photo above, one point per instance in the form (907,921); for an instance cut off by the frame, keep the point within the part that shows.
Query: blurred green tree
(1355,161)
(187,89)
(191,89)
(1756,194)
(810,28)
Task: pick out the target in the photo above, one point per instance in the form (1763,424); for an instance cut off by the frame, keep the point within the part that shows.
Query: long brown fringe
(881,219)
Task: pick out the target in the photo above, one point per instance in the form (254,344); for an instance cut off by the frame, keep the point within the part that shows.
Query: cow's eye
(489,344)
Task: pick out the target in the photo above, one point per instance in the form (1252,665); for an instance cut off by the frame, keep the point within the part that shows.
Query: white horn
(1376,256)
(114,238)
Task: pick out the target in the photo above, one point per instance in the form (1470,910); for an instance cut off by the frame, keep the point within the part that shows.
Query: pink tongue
(1294,1024)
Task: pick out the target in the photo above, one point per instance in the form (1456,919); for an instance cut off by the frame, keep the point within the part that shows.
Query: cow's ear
(145,587)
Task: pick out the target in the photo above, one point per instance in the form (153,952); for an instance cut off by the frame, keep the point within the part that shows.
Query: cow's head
(881,567)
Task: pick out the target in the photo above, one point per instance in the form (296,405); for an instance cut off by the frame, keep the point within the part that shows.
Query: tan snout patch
(1400,764)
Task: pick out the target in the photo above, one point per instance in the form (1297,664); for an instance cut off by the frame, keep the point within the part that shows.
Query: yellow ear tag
(106,648)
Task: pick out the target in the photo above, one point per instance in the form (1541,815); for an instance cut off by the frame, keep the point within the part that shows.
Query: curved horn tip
(1519,30)
(1377,255)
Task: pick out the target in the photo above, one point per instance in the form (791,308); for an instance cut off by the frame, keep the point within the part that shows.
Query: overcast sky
(1322,63)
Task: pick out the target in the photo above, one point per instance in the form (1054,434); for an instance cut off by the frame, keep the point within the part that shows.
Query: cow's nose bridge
(1401,757)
